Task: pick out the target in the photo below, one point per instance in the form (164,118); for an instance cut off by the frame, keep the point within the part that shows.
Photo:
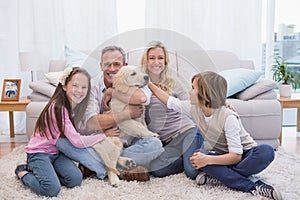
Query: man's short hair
(114,48)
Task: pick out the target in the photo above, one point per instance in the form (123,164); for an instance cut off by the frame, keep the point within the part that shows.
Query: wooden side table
(290,102)
(12,106)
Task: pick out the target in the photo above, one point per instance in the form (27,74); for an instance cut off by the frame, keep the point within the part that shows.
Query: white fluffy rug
(284,173)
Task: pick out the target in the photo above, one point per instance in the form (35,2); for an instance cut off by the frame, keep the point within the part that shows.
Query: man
(142,150)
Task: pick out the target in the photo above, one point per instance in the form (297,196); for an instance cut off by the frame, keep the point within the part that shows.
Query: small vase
(285,90)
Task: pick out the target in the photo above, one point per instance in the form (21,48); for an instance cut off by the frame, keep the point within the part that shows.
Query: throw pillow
(271,94)
(260,87)
(78,59)
(239,79)
(53,77)
(36,96)
(42,87)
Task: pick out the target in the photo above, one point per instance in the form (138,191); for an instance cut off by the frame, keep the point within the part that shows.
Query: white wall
(10,68)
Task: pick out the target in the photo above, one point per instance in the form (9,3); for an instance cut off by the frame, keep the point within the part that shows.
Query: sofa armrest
(261,118)
(43,87)
(33,111)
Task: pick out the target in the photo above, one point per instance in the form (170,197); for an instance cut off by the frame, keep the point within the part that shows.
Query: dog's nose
(146,77)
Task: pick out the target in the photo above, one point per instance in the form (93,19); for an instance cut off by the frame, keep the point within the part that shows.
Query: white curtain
(232,25)
(45,26)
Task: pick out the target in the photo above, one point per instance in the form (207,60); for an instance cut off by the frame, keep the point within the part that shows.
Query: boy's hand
(199,160)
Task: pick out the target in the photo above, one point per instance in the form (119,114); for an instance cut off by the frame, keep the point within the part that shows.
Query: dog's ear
(119,83)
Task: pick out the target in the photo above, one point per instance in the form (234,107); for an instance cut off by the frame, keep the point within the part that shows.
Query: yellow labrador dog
(127,77)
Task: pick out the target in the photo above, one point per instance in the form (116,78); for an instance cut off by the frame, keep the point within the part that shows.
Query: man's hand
(106,98)
(112,132)
(135,111)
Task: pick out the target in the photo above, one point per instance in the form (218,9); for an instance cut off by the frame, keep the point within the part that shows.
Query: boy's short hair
(212,89)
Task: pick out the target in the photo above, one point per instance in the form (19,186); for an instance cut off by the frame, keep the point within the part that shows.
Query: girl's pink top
(43,145)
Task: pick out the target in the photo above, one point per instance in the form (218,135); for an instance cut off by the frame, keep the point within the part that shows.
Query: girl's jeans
(48,171)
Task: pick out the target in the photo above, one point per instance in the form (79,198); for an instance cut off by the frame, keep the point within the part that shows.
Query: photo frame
(11,89)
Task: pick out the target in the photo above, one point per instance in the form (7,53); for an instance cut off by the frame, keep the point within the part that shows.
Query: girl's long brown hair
(60,101)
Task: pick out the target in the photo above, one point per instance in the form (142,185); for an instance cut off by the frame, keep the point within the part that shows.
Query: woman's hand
(227,105)
(199,160)
(112,132)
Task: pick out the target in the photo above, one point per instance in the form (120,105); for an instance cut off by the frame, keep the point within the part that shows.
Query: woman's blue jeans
(48,171)
(176,157)
(253,161)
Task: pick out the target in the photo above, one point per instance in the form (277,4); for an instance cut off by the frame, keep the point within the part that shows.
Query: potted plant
(287,79)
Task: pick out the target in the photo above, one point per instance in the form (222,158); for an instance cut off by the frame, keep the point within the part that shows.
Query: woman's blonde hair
(212,89)
(166,82)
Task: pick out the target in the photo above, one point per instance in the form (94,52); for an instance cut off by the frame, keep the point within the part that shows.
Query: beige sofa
(257,105)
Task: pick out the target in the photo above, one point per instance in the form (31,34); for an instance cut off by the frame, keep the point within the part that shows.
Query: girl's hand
(199,160)
(112,132)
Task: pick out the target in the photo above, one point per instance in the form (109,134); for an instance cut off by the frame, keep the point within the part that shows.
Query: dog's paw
(126,163)
(130,164)
(114,179)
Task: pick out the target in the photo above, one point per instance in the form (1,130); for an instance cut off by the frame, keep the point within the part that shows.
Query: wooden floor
(290,142)
(7,144)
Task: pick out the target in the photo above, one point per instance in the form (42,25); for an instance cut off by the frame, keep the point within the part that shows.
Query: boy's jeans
(254,161)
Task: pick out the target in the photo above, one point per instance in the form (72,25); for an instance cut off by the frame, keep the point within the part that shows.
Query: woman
(177,132)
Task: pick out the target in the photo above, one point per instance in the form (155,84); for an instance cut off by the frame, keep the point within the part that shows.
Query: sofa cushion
(42,86)
(79,59)
(36,96)
(260,87)
(239,79)
(271,94)
(53,77)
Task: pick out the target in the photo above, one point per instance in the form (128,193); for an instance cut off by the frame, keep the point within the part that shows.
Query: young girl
(233,155)
(46,168)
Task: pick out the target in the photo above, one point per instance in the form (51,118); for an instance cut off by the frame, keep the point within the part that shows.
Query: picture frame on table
(11,89)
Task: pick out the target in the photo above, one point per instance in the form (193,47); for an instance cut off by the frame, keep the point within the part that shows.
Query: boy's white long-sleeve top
(182,106)
(231,127)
